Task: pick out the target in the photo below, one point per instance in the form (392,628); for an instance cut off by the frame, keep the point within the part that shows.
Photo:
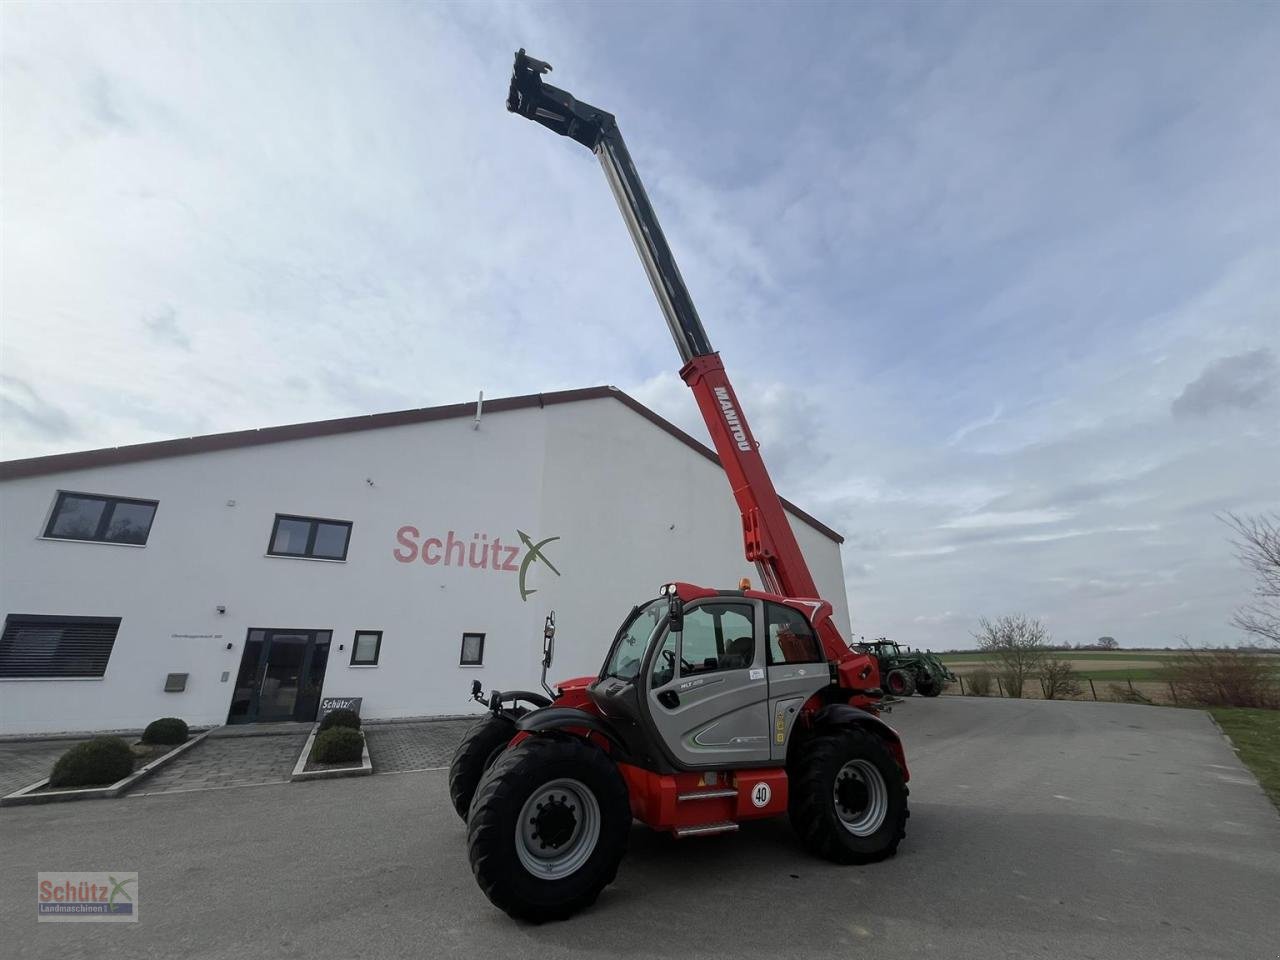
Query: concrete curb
(300,771)
(28,794)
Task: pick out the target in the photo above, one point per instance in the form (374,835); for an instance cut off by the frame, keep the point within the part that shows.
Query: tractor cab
(700,679)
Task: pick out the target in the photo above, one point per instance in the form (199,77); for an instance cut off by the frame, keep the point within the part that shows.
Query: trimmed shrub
(166,730)
(338,745)
(341,718)
(978,683)
(93,763)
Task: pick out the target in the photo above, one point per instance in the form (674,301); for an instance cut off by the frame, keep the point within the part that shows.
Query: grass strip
(1256,735)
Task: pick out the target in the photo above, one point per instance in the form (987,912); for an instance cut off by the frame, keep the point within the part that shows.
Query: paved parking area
(1039,830)
(227,762)
(24,762)
(414,745)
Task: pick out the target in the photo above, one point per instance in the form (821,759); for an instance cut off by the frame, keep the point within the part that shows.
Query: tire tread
(808,810)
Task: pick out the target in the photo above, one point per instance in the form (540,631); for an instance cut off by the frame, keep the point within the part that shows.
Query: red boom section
(769,541)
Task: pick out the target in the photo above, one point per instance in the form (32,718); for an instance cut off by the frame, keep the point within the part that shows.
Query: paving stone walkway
(414,745)
(24,762)
(227,762)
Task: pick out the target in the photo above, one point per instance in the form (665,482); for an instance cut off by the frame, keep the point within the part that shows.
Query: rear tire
(900,683)
(485,739)
(928,687)
(848,798)
(557,806)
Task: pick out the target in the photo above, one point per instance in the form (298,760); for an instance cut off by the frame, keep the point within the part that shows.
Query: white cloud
(1013,518)
(958,307)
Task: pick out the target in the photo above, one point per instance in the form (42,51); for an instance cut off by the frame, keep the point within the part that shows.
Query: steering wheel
(671,661)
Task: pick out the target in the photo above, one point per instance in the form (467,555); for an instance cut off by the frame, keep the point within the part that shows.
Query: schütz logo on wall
(481,552)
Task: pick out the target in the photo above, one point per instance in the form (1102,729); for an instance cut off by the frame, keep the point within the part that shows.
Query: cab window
(717,636)
(664,664)
(791,639)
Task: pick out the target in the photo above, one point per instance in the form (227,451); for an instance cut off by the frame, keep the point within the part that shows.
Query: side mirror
(675,614)
(548,650)
(549,640)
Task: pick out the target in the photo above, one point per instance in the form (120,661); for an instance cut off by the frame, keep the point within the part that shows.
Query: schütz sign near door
(517,555)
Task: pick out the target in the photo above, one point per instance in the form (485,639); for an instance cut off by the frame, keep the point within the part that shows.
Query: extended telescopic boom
(769,541)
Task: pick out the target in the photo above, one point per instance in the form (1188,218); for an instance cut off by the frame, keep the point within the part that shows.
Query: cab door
(707,690)
(797,670)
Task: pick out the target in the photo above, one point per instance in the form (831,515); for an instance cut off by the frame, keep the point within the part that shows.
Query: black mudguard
(843,715)
(500,697)
(558,718)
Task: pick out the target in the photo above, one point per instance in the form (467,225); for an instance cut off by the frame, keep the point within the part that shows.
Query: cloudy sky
(998,284)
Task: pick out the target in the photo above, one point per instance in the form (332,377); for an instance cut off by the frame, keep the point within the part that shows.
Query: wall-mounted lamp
(230,644)
(220,608)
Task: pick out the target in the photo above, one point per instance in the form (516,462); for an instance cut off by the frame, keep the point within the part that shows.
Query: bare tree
(1107,643)
(1018,644)
(1257,543)
(1058,679)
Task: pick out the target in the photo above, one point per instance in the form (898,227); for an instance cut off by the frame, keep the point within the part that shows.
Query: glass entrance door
(281,674)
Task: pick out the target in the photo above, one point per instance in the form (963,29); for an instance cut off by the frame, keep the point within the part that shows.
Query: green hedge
(96,762)
(341,718)
(166,730)
(338,745)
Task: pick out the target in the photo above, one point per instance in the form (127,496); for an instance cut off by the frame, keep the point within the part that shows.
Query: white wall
(632,505)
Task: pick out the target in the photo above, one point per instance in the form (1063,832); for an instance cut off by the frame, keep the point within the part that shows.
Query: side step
(708,794)
(706,829)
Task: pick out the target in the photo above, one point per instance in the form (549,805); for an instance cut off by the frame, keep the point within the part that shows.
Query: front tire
(481,745)
(848,797)
(929,687)
(548,827)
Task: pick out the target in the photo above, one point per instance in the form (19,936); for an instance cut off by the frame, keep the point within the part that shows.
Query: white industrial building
(241,577)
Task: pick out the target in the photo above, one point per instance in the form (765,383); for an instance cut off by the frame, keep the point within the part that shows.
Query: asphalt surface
(1039,829)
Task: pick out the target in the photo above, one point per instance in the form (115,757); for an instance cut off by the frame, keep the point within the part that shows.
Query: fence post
(1092,690)
(1131,690)
(1000,686)
(961,679)
(1173,692)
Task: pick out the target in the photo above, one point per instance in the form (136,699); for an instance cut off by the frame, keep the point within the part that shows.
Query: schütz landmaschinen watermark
(106,897)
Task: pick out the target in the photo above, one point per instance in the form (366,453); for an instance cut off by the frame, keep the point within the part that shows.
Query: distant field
(1073,655)
(1143,670)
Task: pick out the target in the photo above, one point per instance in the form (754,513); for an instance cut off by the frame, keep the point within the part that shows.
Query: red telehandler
(713,706)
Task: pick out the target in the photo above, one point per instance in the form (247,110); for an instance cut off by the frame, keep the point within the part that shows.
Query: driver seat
(738,654)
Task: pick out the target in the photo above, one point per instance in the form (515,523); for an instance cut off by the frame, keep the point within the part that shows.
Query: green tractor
(904,671)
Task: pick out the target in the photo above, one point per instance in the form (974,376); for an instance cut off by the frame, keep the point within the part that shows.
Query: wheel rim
(861,798)
(558,829)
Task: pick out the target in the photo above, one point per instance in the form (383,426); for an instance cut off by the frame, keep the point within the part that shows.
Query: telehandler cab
(713,706)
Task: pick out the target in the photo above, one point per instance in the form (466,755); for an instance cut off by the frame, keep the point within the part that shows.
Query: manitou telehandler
(713,706)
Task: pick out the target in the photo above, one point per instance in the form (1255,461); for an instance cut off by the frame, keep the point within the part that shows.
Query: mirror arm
(548,650)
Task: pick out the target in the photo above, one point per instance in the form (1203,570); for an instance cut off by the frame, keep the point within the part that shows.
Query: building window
(309,537)
(472,650)
(87,516)
(36,647)
(366,647)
